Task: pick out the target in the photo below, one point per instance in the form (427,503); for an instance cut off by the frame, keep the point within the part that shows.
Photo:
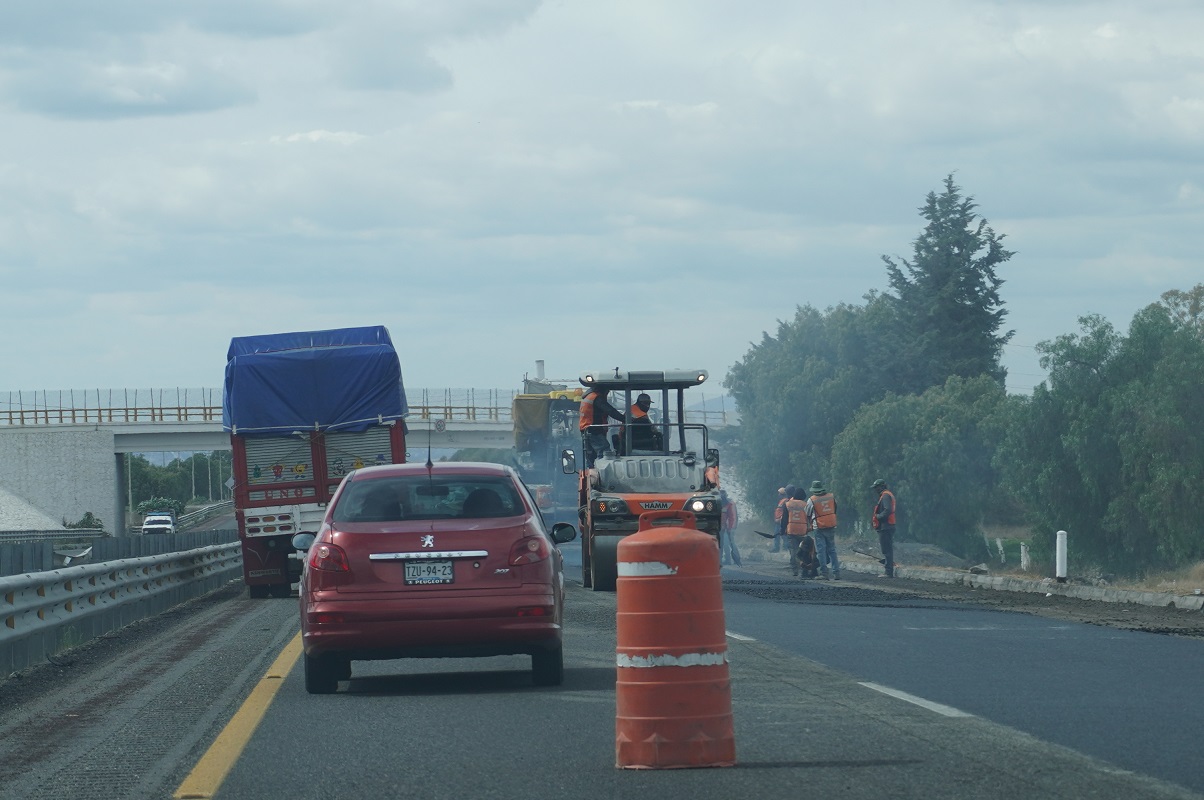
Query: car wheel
(321,674)
(258,591)
(280,589)
(604,566)
(547,667)
(344,669)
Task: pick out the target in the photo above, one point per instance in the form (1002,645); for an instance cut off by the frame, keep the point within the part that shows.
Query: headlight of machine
(609,505)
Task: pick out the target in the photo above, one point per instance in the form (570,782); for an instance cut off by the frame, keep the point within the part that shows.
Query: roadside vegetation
(196,480)
(908,386)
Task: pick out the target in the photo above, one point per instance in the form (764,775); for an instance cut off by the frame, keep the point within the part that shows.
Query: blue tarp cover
(342,379)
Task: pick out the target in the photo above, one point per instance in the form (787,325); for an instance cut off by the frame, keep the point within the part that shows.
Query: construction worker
(728,551)
(595,410)
(801,545)
(644,435)
(821,516)
(883,520)
(777,519)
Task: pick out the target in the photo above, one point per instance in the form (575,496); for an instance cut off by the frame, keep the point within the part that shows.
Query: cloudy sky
(629,183)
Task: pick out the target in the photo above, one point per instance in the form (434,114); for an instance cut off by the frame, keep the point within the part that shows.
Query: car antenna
(429,463)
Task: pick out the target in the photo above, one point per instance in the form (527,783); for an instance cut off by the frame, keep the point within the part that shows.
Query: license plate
(419,572)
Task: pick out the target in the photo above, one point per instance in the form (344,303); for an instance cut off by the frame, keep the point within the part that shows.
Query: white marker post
(1061,557)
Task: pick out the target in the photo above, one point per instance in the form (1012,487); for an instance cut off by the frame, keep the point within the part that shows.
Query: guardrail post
(1060,571)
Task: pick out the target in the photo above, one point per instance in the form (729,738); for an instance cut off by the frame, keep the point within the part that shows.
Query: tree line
(909,386)
(196,480)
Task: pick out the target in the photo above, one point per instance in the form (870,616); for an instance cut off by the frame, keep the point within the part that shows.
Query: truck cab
(661,463)
(159,522)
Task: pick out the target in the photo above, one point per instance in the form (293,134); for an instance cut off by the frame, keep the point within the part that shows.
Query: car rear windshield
(422,497)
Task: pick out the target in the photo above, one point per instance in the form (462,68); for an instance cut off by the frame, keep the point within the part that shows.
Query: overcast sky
(629,183)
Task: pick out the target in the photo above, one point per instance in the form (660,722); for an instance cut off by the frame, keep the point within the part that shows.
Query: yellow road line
(207,776)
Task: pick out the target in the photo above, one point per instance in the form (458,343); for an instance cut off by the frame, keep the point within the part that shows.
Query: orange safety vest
(777,512)
(587,410)
(824,506)
(890,518)
(796,521)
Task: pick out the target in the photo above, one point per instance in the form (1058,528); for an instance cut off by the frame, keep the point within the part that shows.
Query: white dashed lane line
(947,711)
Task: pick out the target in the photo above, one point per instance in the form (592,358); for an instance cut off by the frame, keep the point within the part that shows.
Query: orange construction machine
(652,461)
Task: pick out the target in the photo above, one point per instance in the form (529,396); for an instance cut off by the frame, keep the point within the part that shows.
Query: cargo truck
(303,409)
(545,423)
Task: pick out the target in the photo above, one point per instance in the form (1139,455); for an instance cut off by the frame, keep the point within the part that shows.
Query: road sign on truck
(303,409)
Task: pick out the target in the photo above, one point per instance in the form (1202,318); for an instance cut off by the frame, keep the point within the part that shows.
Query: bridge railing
(45,612)
(111,407)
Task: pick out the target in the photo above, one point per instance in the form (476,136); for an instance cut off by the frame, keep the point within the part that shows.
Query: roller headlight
(609,505)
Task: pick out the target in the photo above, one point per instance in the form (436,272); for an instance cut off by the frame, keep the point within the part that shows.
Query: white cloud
(499,179)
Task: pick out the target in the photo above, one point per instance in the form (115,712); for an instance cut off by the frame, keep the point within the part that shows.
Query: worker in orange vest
(821,516)
(644,435)
(728,551)
(883,520)
(802,546)
(594,411)
(778,511)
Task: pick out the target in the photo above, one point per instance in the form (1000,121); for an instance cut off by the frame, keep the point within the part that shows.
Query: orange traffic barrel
(673,695)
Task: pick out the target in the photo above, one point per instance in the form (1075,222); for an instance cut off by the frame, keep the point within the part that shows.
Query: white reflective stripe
(948,711)
(667,660)
(424,555)
(644,569)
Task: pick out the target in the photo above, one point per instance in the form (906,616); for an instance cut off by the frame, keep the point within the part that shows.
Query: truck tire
(547,667)
(280,589)
(258,590)
(604,563)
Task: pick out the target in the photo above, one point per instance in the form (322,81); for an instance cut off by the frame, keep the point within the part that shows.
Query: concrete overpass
(65,456)
(66,462)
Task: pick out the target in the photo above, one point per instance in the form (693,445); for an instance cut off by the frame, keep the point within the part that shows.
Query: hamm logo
(659,505)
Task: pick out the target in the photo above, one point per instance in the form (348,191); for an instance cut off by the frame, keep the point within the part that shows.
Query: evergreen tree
(948,312)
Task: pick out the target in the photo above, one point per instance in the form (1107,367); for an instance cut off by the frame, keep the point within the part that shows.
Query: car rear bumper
(430,627)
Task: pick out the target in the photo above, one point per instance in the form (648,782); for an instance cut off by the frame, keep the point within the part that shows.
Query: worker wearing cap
(644,435)
(821,519)
(883,520)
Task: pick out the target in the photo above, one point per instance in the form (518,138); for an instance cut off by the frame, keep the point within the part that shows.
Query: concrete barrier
(43,613)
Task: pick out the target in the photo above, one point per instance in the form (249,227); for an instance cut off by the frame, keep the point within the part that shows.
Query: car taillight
(328,557)
(530,550)
(326,619)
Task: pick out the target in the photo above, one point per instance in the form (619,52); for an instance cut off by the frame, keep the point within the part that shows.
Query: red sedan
(431,561)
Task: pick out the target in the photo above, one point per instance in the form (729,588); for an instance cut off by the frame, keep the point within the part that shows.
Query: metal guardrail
(200,515)
(45,612)
(64,535)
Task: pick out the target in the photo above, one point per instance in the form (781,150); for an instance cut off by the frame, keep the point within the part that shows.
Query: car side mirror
(563,532)
(568,462)
(303,540)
